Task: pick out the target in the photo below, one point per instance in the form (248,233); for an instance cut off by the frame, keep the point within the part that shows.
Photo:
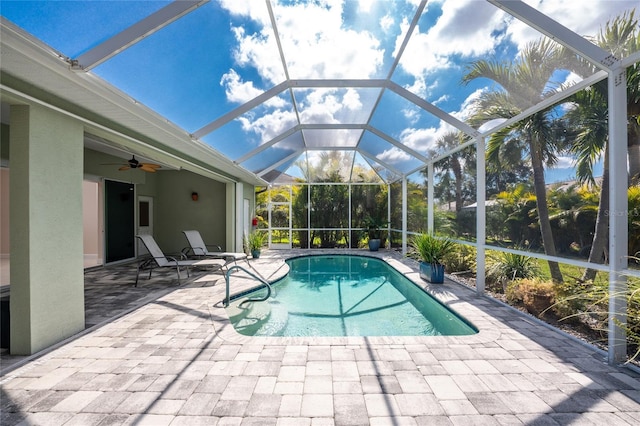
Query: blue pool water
(345,296)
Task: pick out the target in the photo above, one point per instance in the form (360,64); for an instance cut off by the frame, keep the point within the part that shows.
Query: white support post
(481,218)
(388,243)
(269,208)
(618,207)
(231,213)
(404,215)
(309,233)
(349,229)
(430,203)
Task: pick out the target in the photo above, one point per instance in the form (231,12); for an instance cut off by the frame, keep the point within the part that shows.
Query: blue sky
(224,54)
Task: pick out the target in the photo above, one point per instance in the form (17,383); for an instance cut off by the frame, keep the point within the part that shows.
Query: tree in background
(522,83)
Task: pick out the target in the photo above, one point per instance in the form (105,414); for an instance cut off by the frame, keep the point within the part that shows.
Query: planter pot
(255,254)
(374,244)
(433,273)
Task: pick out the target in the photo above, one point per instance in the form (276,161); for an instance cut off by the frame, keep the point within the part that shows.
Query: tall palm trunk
(456,168)
(633,149)
(601,233)
(543,209)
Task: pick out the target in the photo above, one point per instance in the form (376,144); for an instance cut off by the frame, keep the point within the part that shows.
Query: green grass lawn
(569,272)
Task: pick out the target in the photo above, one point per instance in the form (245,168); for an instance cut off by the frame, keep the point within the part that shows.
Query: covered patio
(177,360)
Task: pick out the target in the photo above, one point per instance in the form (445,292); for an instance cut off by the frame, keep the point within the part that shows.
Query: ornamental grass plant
(432,249)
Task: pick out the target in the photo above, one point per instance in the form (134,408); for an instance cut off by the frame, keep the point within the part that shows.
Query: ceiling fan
(135,164)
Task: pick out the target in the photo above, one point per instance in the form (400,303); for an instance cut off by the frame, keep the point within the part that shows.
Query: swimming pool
(344,295)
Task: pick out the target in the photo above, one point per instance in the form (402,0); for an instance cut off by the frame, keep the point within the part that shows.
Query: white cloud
(270,125)
(581,20)
(248,9)
(240,91)
(411,114)
(441,99)
(565,162)
(260,51)
(364,6)
(393,156)
(335,105)
(571,79)
(419,86)
(314,41)
(471,29)
(330,106)
(316,45)
(386,22)
(421,140)
(237,90)
(466,28)
(317,112)
(351,100)
(466,109)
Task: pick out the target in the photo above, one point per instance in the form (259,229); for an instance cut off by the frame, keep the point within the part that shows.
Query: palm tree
(622,37)
(452,163)
(590,116)
(523,83)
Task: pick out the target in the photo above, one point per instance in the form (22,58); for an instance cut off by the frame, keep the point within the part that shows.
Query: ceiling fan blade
(155,166)
(124,168)
(145,168)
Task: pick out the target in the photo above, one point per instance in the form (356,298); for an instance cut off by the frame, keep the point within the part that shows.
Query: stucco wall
(4,191)
(4,213)
(173,208)
(47,285)
(176,211)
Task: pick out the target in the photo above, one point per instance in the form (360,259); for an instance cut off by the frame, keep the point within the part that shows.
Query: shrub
(504,267)
(575,296)
(590,304)
(534,294)
(461,259)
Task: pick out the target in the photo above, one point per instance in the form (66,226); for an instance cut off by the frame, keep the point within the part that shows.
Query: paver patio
(176,360)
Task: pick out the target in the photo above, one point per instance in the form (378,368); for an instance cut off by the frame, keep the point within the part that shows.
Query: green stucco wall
(173,208)
(176,211)
(47,283)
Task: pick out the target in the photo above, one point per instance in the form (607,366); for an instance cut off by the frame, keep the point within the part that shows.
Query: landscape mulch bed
(574,326)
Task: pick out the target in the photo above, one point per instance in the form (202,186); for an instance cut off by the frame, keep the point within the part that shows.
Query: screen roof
(277,86)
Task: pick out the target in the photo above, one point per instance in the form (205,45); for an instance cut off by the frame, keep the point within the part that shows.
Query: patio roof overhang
(33,72)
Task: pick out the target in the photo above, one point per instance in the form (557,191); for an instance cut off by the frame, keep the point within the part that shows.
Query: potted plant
(255,241)
(373,227)
(432,250)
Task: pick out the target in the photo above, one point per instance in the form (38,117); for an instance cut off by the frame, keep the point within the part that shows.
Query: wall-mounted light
(194,196)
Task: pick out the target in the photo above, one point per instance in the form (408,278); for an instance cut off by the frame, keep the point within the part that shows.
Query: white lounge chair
(198,248)
(159,260)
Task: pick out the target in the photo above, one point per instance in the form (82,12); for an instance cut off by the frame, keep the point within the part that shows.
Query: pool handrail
(262,280)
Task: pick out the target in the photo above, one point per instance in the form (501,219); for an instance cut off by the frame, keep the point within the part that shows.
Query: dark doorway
(119,221)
